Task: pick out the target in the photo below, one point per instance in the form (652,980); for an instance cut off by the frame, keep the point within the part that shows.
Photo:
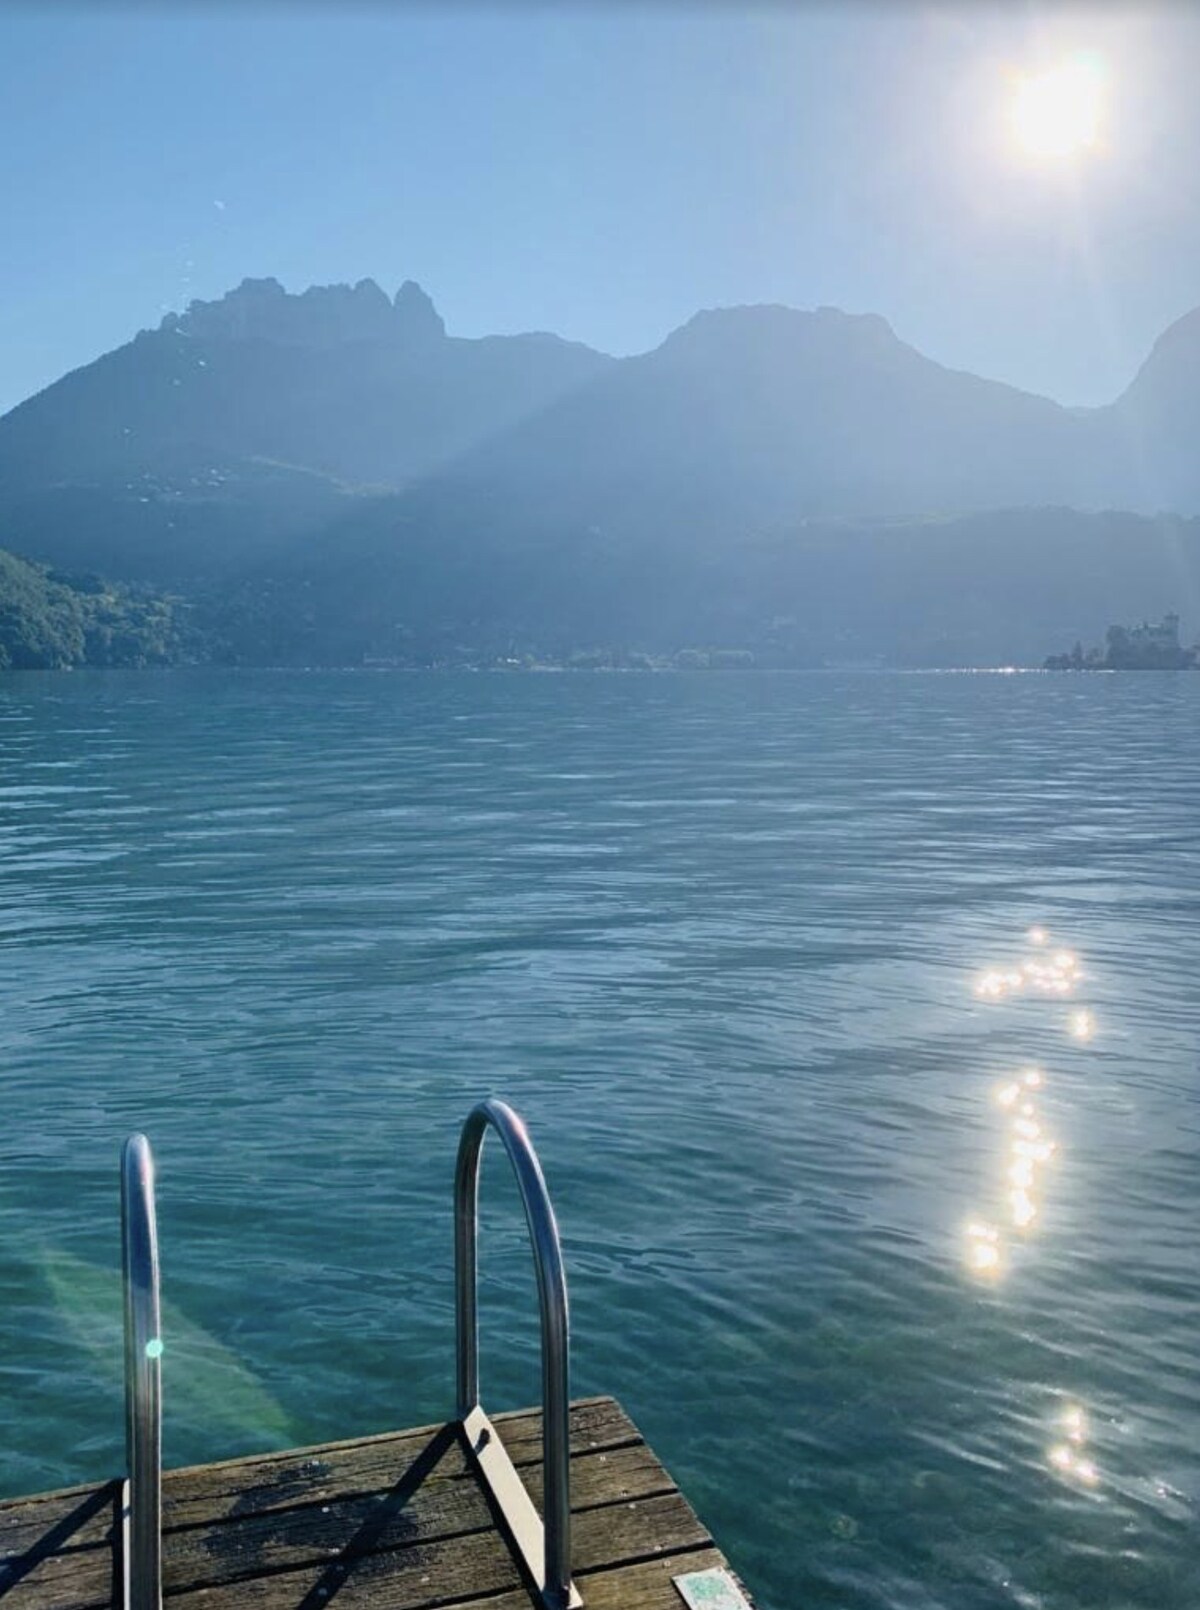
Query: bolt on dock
(541,1509)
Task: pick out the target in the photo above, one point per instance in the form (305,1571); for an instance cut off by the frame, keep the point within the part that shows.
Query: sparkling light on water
(1056,975)
(983,1250)
(1029,1148)
(1082,1025)
(1067,1457)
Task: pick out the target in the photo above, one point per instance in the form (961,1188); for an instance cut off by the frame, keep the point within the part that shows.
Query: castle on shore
(1150,646)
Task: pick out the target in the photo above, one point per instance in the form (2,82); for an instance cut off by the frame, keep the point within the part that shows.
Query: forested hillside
(56,622)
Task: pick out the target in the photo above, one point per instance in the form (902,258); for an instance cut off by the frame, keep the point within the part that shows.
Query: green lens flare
(154,1347)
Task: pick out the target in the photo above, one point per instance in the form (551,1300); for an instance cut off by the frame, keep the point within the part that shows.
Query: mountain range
(331,474)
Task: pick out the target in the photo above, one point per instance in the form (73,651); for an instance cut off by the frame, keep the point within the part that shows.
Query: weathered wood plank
(599,1420)
(198,1494)
(35,1575)
(587,1414)
(646,1586)
(79,1517)
(479,1565)
(369,1464)
(407,1516)
(418,1512)
(394,1522)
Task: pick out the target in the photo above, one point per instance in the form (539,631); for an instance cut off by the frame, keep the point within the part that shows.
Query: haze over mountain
(1155,423)
(341,440)
(242,423)
(757,415)
(340,380)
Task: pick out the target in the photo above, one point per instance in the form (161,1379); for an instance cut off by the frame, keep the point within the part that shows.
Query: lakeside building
(1152,645)
(1149,646)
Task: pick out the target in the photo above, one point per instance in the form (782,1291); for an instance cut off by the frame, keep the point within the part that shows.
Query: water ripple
(718,938)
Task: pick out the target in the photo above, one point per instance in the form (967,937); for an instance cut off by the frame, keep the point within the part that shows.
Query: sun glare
(1057,113)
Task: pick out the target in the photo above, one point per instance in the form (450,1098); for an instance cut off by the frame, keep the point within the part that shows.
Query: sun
(1058,113)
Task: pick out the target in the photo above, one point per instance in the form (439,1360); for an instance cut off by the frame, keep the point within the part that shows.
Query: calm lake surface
(911,1326)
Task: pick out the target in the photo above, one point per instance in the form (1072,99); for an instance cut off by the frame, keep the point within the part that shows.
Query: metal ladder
(141,1498)
(545,1550)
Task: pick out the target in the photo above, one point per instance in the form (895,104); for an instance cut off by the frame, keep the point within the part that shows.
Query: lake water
(910,1325)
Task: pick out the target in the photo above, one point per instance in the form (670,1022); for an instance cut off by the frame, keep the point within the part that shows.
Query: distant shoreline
(209,667)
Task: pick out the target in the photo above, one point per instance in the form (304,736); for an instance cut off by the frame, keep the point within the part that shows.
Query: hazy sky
(602,172)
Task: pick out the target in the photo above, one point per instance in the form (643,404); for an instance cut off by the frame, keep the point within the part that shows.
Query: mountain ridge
(338,450)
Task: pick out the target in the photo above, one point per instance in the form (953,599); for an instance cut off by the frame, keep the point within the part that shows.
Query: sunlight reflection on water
(1028,1147)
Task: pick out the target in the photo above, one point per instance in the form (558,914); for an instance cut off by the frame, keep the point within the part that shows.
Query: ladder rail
(554,1546)
(142,1521)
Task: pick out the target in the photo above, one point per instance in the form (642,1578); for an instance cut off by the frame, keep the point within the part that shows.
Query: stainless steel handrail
(143,1379)
(555,1550)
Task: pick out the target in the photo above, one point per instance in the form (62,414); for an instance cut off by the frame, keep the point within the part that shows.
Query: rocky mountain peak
(415,312)
(322,316)
(773,328)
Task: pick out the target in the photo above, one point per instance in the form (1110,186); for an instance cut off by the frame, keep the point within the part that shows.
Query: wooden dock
(562,1508)
(395,1522)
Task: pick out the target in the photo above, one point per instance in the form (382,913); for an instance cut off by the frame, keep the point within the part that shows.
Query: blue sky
(602,172)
